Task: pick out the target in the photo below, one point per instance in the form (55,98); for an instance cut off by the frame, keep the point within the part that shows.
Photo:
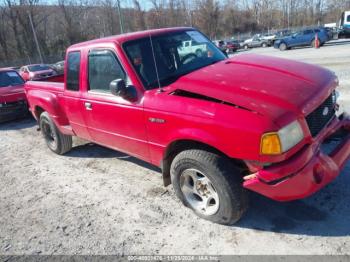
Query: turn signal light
(270,144)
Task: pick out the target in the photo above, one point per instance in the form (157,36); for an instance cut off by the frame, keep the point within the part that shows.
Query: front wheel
(210,185)
(283,47)
(55,140)
(264,45)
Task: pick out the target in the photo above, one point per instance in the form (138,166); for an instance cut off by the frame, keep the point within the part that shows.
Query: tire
(313,43)
(246,47)
(55,140)
(219,181)
(283,46)
(264,45)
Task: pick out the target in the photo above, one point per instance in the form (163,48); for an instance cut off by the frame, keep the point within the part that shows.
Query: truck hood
(11,93)
(267,85)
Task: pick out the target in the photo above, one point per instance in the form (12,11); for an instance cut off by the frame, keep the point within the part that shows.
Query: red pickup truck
(217,126)
(13,101)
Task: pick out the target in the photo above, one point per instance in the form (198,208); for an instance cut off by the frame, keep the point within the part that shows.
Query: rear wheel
(264,45)
(210,185)
(55,140)
(283,47)
(313,43)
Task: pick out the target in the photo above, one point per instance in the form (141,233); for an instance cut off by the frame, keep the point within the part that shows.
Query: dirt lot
(98,201)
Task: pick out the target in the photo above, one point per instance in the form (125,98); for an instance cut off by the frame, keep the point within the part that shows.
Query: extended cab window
(73,69)
(103,69)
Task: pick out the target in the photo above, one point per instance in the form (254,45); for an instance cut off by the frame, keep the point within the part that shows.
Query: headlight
(275,143)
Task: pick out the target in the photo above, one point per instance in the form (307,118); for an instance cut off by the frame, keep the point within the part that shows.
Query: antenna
(160,89)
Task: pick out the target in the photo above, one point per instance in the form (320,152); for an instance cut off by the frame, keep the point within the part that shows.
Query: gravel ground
(98,201)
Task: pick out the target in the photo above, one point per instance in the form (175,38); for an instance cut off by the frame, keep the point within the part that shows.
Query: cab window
(103,69)
(73,70)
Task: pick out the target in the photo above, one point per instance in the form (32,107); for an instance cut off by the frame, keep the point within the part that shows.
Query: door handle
(88,106)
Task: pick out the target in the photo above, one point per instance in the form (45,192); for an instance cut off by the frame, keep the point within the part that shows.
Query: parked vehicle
(344,25)
(255,42)
(269,37)
(281,34)
(221,45)
(217,127)
(232,46)
(58,67)
(302,38)
(36,71)
(13,102)
(191,46)
(329,32)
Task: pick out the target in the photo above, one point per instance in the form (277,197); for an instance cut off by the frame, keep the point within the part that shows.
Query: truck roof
(120,39)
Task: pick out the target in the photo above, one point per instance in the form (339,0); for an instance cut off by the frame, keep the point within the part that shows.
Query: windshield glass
(35,68)
(10,78)
(176,54)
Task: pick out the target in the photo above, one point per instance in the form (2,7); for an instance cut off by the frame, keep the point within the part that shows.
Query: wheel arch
(178,146)
(38,110)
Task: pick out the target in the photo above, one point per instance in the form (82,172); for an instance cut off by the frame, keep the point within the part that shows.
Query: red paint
(262,94)
(27,74)
(10,95)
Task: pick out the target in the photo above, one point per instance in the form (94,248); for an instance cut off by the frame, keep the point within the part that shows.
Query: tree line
(64,22)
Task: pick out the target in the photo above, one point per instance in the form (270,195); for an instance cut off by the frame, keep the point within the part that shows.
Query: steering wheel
(188,58)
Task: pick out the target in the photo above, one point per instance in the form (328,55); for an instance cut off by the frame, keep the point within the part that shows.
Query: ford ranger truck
(13,102)
(218,127)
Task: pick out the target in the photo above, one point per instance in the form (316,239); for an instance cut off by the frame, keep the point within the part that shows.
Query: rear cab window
(73,71)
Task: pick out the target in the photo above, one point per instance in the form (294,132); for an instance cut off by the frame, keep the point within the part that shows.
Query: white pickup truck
(192,47)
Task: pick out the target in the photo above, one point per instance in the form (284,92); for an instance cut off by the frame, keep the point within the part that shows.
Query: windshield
(10,78)
(176,54)
(35,68)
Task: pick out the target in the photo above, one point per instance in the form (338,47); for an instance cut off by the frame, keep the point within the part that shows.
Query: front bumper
(308,171)
(13,111)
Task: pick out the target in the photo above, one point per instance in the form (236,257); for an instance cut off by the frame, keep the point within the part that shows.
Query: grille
(321,116)
(12,106)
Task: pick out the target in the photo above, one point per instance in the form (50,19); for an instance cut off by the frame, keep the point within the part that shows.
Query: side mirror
(118,88)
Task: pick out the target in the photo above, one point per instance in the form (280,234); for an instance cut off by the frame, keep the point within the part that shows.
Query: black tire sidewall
(281,45)
(45,117)
(230,205)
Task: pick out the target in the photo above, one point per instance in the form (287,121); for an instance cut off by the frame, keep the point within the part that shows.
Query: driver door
(111,120)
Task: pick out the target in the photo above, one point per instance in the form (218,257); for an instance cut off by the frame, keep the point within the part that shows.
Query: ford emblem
(325,111)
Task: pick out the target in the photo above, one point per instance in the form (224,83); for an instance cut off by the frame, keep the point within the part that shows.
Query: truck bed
(54,83)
